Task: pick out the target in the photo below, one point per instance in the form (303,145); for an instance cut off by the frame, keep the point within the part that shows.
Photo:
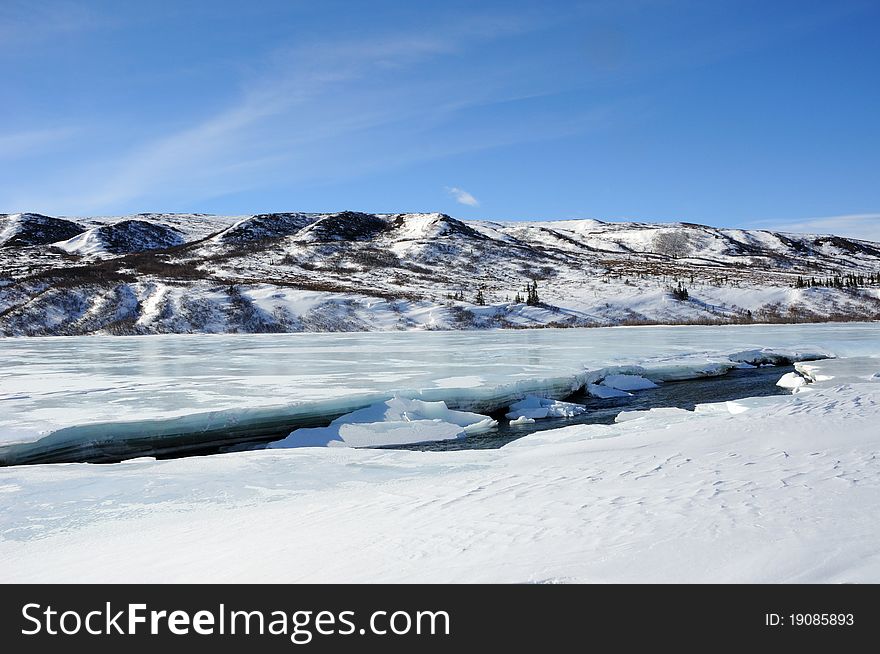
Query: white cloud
(864,226)
(462,197)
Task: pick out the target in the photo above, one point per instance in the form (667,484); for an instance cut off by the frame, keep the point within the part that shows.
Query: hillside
(350,271)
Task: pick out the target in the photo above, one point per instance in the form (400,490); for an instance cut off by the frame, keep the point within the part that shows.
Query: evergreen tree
(680,293)
(532,293)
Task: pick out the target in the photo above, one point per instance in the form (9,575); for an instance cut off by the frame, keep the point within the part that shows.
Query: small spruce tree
(532,293)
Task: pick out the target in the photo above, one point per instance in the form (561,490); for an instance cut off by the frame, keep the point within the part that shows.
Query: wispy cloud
(462,197)
(309,114)
(34,21)
(864,226)
(18,145)
(281,113)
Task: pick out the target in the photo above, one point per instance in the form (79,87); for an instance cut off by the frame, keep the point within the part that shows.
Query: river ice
(60,393)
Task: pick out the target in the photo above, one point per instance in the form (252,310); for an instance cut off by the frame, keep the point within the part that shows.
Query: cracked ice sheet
(784,492)
(55,382)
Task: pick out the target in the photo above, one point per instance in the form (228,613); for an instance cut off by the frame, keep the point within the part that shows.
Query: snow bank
(538,408)
(398,421)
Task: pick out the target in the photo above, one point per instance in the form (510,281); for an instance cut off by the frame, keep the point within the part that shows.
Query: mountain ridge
(354,271)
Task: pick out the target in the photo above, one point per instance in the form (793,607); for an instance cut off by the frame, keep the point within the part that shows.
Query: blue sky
(752,114)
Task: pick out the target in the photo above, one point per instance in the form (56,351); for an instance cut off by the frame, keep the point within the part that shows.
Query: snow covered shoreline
(778,489)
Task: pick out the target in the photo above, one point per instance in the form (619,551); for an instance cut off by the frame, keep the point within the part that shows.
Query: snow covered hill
(350,271)
(24,229)
(124,237)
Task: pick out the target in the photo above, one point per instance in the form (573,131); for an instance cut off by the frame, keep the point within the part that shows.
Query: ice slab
(399,421)
(538,408)
(627,382)
(605,392)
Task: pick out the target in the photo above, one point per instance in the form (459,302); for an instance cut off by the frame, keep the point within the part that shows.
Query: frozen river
(206,383)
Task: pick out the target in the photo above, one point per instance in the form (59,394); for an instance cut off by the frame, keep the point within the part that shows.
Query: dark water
(735,385)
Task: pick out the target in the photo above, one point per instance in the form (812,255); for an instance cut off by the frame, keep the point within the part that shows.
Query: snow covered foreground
(776,489)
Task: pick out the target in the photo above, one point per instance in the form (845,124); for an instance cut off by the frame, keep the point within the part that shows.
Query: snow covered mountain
(350,271)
